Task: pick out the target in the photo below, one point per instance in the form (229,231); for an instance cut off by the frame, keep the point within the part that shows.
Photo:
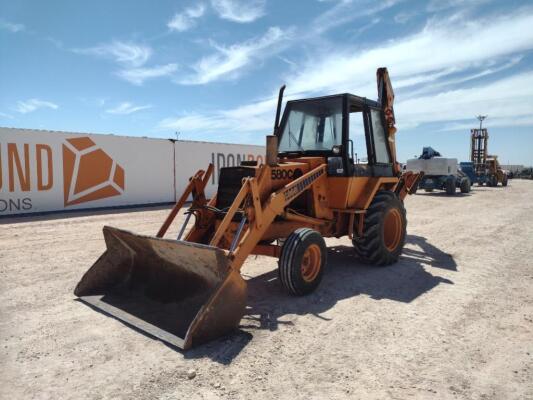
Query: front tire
(302,261)
(450,185)
(465,185)
(384,230)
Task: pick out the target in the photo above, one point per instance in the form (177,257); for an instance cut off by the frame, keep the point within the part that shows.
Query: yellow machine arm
(386,99)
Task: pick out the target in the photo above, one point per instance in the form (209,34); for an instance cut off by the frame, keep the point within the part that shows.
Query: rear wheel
(384,230)
(450,185)
(465,185)
(505,180)
(302,261)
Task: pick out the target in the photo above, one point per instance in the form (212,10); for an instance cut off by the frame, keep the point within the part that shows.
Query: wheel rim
(310,265)
(392,229)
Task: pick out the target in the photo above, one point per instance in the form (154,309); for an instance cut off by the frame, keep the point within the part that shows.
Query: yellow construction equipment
(190,290)
(486,167)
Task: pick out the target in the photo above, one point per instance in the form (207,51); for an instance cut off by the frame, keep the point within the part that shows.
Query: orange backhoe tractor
(190,290)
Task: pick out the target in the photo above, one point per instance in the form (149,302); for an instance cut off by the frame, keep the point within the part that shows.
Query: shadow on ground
(345,277)
(443,194)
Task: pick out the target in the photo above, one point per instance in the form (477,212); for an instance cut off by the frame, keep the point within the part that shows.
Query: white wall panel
(43,171)
(84,171)
(192,156)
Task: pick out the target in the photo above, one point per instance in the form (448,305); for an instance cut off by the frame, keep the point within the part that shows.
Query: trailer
(439,173)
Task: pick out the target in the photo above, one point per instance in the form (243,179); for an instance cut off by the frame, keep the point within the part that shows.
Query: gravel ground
(453,319)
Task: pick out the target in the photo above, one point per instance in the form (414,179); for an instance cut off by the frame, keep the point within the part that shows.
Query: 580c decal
(286,173)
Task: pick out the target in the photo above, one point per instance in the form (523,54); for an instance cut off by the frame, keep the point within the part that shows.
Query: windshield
(312,125)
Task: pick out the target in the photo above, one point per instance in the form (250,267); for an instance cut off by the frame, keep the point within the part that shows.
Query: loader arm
(386,99)
(258,216)
(196,188)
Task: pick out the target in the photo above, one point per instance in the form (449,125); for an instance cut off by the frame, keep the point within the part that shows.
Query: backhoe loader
(188,291)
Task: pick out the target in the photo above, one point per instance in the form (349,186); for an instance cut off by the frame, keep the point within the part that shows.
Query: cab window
(380,139)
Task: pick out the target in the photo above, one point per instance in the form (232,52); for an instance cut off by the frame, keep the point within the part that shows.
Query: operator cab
(346,129)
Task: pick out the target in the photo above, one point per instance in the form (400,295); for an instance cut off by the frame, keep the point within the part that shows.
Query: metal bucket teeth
(180,292)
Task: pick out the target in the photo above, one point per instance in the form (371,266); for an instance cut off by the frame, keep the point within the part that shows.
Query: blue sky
(211,69)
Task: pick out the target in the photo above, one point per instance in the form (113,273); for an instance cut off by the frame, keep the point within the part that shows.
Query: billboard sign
(43,171)
(192,156)
(53,171)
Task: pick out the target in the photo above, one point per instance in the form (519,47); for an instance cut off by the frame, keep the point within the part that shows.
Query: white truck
(439,172)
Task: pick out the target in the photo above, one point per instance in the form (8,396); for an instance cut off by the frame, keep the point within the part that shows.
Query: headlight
(336,149)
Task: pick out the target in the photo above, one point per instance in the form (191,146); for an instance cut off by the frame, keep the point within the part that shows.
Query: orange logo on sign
(89,173)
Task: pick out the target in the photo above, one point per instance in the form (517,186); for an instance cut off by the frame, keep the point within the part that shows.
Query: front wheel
(384,230)
(465,185)
(450,185)
(302,261)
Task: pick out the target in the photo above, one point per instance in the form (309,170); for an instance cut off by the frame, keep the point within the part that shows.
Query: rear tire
(302,261)
(505,180)
(465,185)
(450,185)
(384,230)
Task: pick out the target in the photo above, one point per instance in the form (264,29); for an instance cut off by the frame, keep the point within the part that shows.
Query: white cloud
(439,5)
(517,121)
(505,98)
(11,27)
(31,105)
(227,62)
(425,68)
(186,19)
(348,10)
(436,49)
(403,17)
(132,57)
(433,86)
(242,11)
(7,116)
(125,53)
(137,76)
(127,108)
(254,117)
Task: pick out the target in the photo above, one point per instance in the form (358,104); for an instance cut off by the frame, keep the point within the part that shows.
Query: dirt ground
(453,319)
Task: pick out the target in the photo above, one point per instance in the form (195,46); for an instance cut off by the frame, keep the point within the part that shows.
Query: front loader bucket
(180,292)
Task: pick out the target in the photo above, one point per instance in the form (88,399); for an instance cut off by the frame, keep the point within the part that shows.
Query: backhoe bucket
(180,292)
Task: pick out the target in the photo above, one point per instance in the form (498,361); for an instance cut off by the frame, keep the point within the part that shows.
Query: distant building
(514,168)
